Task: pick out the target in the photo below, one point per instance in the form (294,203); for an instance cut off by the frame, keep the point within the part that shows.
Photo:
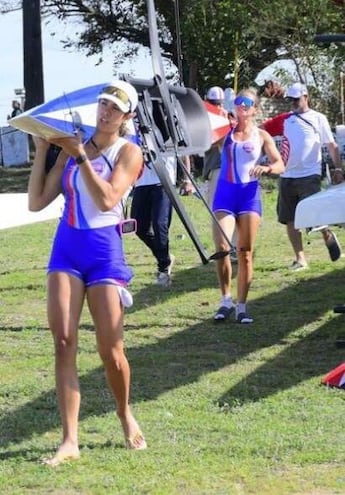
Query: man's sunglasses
(290,98)
(244,101)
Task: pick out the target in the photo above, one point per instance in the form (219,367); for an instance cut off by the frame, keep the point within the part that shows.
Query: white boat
(326,207)
(15,210)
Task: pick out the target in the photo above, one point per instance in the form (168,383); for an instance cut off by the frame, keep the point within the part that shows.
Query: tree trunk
(32,54)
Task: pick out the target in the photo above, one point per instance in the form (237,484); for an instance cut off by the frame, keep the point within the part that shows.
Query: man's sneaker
(333,246)
(164,278)
(296,266)
(244,318)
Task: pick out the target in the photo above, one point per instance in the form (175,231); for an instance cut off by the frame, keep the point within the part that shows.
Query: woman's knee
(221,244)
(65,346)
(112,356)
(245,254)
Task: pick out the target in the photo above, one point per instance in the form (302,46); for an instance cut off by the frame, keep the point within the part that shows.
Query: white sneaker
(172,261)
(164,278)
(298,266)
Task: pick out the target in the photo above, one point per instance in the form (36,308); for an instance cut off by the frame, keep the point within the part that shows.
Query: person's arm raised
(107,193)
(43,188)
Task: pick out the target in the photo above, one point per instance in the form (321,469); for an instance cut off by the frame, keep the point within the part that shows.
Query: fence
(14,147)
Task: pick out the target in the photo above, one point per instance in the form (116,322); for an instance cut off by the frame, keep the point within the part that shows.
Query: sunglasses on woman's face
(244,101)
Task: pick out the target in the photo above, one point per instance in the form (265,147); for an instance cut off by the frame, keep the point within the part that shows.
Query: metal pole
(342,109)
(32,53)
(236,64)
(178,39)
(1,148)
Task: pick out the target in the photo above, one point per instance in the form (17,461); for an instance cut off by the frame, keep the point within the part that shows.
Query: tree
(216,35)
(10,6)
(32,50)
(223,42)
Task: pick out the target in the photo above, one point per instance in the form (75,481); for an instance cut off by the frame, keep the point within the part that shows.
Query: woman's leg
(107,314)
(65,301)
(223,265)
(247,227)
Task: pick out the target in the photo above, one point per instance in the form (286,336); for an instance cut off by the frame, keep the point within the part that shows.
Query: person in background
(268,91)
(152,209)
(16,109)
(304,133)
(273,89)
(87,259)
(232,118)
(237,201)
(211,167)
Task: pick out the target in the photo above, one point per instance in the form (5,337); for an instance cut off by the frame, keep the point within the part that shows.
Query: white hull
(15,211)
(324,208)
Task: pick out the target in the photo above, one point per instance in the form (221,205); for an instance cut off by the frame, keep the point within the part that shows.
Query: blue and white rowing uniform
(237,192)
(88,242)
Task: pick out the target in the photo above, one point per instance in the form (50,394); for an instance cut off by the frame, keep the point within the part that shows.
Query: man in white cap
(304,133)
(215,96)
(211,168)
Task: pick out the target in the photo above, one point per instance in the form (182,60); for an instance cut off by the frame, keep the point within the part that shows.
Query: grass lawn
(226,409)
(14,179)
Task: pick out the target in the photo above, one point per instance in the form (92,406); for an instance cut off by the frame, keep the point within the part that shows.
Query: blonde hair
(123,130)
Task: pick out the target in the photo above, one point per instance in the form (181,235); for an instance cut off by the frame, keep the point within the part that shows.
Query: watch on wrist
(81,159)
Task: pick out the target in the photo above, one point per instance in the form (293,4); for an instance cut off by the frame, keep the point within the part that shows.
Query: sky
(63,70)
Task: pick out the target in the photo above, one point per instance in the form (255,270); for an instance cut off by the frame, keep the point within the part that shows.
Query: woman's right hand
(40,143)
(71,145)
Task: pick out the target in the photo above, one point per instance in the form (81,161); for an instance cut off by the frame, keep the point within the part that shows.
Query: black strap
(298,115)
(102,155)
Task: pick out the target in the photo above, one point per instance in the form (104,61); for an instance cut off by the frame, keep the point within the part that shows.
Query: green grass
(225,409)
(14,179)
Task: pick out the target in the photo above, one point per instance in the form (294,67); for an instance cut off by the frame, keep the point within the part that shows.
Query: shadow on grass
(183,357)
(185,281)
(308,357)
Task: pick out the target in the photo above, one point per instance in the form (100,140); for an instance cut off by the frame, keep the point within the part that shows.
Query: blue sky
(64,71)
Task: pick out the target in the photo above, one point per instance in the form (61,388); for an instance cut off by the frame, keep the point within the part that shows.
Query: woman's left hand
(337,176)
(259,170)
(186,188)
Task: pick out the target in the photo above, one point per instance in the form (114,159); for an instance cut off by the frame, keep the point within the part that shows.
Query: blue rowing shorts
(95,256)
(237,199)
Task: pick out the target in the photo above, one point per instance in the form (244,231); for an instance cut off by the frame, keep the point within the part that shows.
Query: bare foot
(65,452)
(134,439)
